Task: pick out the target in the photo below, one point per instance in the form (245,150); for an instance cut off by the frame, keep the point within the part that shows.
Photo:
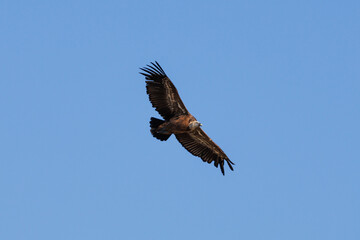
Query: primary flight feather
(177,120)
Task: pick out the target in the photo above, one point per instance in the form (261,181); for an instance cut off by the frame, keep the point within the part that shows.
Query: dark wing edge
(199,144)
(163,95)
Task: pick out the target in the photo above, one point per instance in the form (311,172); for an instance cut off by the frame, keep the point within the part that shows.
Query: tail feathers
(154,124)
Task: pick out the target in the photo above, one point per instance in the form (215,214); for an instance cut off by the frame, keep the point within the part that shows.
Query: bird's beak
(200,124)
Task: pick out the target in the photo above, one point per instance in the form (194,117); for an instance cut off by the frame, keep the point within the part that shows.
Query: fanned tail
(154,124)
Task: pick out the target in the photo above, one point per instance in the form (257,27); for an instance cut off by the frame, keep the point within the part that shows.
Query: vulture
(177,120)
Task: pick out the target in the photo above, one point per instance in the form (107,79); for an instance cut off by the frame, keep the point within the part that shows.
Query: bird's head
(195,124)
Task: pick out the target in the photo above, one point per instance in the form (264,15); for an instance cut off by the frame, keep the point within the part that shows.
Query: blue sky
(275,83)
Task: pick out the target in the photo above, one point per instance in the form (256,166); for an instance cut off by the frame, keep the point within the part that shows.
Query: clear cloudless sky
(276,84)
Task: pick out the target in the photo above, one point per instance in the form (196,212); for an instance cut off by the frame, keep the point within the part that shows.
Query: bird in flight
(177,120)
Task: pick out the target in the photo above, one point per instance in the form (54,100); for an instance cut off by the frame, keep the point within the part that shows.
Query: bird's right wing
(162,93)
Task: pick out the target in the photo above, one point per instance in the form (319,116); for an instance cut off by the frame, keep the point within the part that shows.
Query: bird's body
(179,124)
(177,119)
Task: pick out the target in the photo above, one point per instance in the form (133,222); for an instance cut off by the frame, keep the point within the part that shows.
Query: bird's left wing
(200,144)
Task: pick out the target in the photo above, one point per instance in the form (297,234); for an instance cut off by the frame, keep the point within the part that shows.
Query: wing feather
(163,95)
(199,144)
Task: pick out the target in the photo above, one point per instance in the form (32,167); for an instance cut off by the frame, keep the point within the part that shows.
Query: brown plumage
(177,120)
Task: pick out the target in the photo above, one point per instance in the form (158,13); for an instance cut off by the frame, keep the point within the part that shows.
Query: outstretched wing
(199,144)
(162,93)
